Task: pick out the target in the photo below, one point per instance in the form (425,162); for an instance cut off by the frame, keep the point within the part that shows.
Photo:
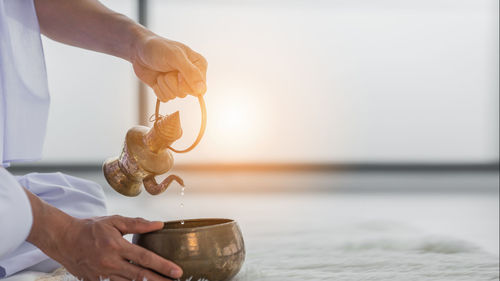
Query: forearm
(89,24)
(94,249)
(48,224)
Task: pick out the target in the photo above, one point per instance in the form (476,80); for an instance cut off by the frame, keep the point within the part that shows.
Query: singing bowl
(212,249)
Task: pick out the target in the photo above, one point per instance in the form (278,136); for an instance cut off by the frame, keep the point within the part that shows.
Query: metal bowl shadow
(212,249)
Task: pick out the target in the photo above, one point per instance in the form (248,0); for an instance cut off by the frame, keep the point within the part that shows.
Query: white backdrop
(302,81)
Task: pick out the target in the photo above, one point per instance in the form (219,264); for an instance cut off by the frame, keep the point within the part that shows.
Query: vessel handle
(202,127)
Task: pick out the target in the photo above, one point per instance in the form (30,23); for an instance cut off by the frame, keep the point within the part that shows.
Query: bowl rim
(197,228)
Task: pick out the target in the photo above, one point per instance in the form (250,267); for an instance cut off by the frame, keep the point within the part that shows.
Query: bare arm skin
(171,68)
(93,248)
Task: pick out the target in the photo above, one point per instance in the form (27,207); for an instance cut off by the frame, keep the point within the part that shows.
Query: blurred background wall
(300,81)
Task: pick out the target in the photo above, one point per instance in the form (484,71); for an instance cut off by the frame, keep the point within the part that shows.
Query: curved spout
(155,188)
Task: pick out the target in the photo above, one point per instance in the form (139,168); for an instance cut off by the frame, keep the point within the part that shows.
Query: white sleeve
(15,213)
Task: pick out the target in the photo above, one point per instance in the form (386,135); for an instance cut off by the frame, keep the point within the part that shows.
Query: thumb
(135,225)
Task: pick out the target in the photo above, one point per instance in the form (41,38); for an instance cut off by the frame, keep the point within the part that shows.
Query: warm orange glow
(235,121)
(238,123)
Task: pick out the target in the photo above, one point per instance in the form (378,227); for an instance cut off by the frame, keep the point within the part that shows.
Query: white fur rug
(380,251)
(344,238)
(374,257)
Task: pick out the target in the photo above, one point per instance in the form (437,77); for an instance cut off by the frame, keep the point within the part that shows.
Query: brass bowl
(204,248)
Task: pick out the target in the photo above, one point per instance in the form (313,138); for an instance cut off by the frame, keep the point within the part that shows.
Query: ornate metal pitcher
(146,154)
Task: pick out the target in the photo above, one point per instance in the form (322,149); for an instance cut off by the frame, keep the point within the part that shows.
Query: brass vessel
(204,248)
(146,154)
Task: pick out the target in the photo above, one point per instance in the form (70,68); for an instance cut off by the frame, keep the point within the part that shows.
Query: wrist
(138,36)
(50,225)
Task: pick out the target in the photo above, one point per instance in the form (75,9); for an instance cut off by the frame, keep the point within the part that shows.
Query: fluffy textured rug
(370,251)
(344,238)
(371,254)
(376,258)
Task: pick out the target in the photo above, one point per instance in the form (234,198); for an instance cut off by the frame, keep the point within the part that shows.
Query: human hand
(92,249)
(171,68)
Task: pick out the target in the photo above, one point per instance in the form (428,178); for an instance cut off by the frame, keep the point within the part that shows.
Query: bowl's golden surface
(212,249)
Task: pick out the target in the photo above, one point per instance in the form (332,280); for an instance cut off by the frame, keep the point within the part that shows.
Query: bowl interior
(194,223)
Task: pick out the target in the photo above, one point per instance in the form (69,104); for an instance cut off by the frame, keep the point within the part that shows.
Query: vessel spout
(154,188)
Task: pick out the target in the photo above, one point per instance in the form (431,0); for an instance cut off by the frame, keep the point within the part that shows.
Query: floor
(343,226)
(385,227)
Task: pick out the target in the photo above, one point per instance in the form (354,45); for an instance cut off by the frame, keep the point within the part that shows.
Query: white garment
(24,101)
(24,92)
(24,104)
(15,214)
(77,197)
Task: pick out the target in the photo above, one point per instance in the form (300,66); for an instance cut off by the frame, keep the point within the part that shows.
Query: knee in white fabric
(75,196)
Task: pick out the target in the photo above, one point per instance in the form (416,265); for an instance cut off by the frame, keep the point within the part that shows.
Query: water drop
(182,204)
